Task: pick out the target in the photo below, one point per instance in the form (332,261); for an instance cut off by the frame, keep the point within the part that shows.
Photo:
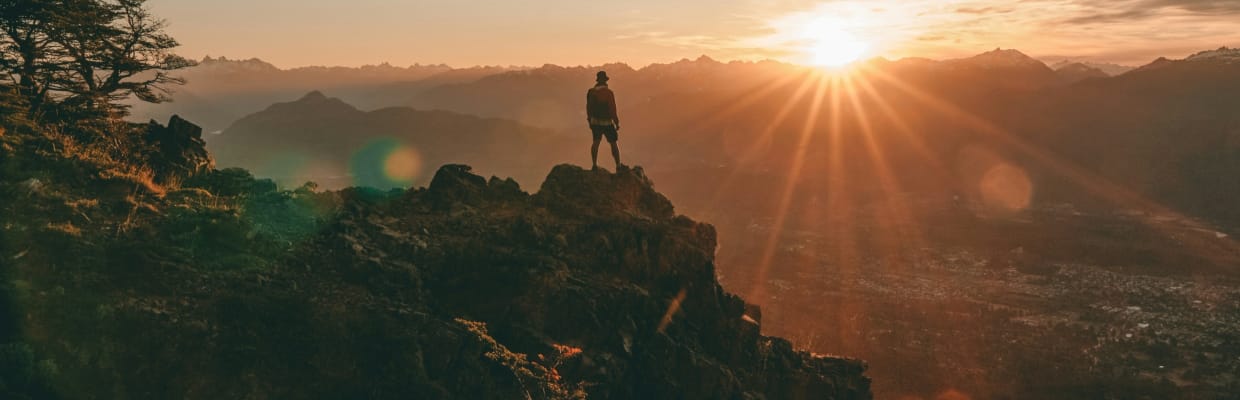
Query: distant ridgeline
(1165,131)
(161,277)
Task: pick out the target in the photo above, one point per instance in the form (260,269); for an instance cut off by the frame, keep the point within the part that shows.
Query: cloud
(1122,16)
(640,35)
(1210,7)
(1111,11)
(982,10)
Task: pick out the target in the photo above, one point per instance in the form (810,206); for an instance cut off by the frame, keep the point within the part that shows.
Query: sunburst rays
(839,129)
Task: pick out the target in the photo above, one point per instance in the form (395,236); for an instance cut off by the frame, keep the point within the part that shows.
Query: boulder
(454,186)
(180,152)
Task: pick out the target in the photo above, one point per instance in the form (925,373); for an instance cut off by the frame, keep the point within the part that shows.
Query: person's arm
(589,99)
(611,104)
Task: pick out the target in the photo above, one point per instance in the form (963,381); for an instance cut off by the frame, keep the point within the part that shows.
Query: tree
(25,56)
(77,58)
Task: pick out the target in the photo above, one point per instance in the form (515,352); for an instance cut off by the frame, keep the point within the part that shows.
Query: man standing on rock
(601,113)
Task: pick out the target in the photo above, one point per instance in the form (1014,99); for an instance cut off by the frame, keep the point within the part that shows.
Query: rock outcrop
(595,261)
(180,151)
(472,288)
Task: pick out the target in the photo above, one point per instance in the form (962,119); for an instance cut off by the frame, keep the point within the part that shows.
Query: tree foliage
(68,59)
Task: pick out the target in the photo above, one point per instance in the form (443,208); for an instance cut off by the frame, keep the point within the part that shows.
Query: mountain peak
(1001,58)
(316,102)
(313,105)
(314,96)
(700,60)
(222,63)
(1008,54)
(1224,54)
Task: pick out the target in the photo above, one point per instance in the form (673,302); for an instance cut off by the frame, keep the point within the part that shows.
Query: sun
(830,45)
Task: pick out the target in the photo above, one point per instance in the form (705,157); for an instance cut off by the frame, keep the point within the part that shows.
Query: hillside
(202,283)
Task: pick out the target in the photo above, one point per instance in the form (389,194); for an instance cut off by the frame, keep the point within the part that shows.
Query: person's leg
(612,136)
(594,153)
(615,153)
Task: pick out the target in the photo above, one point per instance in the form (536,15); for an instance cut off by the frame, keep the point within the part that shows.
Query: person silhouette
(601,115)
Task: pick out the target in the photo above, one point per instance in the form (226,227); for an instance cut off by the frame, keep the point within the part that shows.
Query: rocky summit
(471,288)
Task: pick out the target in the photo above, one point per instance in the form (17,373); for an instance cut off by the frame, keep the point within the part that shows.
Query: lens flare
(386,163)
(403,164)
(1006,187)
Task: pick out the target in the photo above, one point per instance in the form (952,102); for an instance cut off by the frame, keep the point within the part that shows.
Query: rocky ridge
(225,287)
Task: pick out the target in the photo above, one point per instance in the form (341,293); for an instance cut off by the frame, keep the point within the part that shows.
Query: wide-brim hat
(602,76)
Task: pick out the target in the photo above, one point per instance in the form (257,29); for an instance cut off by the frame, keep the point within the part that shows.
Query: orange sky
(292,33)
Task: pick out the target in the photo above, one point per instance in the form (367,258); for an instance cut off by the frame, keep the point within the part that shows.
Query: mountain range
(219,90)
(920,114)
(326,140)
(1107,68)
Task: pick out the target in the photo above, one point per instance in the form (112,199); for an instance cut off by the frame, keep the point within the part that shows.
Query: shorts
(605,130)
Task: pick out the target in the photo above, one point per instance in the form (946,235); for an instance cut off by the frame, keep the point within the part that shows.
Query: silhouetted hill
(220,90)
(992,74)
(328,141)
(1167,130)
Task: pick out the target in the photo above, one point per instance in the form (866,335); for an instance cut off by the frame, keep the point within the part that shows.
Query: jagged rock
(574,190)
(180,151)
(596,260)
(454,185)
